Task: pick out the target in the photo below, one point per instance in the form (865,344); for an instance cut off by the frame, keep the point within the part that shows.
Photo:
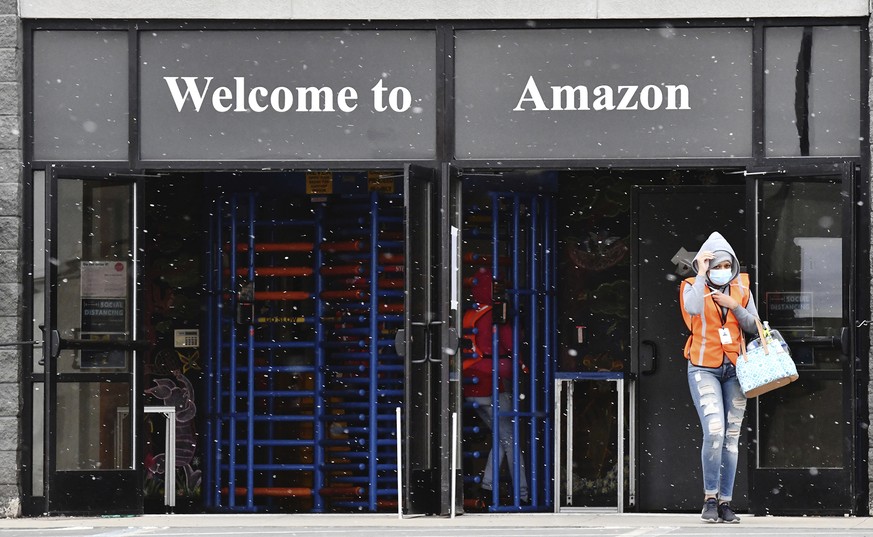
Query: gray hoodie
(694,294)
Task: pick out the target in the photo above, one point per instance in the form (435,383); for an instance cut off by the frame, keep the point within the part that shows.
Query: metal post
(399,464)
(557,445)
(169,413)
(571,393)
(170,456)
(135,389)
(535,290)
(373,433)
(217,360)
(551,315)
(619,389)
(454,486)
(632,445)
(495,380)
(318,432)
(231,447)
(250,364)
(210,364)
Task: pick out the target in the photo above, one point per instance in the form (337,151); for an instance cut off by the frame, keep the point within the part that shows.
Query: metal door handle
(436,353)
(648,356)
(400,342)
(821,341)
(57,344)
(417,342)
(844,340)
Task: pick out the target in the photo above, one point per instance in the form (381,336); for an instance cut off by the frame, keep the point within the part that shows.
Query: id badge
(725,335)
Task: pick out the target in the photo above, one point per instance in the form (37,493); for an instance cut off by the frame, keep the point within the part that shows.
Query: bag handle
(760,336)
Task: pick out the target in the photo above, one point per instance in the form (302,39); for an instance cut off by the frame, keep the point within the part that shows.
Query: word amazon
(603,97)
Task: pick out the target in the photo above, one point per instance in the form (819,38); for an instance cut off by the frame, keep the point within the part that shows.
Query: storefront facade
(261,236)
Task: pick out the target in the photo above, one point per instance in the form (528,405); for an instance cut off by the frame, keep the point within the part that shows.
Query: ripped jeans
(720,406)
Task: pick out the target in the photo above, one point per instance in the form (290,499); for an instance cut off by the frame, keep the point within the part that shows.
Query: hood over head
(720,257)
(722,250)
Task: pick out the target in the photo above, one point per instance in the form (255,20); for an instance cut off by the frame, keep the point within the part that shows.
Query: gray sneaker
(726,514)
(710,511)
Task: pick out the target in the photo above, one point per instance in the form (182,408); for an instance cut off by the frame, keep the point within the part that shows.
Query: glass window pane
(711,67)
(38,439)
(38,266)
(589,444)
(80,97)
(346,129)
(94,271)
(800,288)
(801,425)
(594,271)
(812,89)
(835,91)
(800,264)
(781,46)
(93,426)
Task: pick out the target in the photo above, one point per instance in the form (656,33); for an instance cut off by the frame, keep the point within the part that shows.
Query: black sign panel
(288,95)
(603,93)
(80,95)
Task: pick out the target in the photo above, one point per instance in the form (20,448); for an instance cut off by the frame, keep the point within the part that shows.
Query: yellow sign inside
(319,183)
(380,182)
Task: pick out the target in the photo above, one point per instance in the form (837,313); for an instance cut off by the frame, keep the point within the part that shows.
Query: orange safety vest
(704,346)
(471,317)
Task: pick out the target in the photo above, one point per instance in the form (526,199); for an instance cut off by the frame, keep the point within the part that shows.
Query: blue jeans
(720,406)
(507,442)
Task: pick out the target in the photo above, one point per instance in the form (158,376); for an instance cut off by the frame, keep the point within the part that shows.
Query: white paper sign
(104,279)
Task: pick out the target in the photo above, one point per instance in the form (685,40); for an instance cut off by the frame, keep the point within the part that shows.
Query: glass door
(670,223)
(429,342)
(424,365)
(92,397)
(803,438)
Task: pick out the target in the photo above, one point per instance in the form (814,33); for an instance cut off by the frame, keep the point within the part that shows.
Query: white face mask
(720,276)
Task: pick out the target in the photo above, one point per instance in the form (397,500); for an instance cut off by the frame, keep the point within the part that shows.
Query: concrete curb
(516,520)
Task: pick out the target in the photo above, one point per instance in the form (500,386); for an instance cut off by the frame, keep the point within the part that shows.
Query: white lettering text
(629,97)
(192,90)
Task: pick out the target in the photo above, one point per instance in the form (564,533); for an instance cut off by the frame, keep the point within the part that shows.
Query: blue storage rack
(304,301)
(514,235)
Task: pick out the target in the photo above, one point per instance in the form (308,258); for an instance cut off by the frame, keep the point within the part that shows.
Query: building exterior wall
(11,199)
(10,255)
(437,9)
(870,361)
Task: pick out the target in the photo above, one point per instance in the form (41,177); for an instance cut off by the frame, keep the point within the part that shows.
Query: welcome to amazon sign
(658,92)
(287,95)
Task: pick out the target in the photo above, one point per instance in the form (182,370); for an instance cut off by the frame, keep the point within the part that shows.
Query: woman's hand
(703,259)
(725,300)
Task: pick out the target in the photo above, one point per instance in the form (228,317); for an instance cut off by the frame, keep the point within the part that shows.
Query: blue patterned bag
(765,367)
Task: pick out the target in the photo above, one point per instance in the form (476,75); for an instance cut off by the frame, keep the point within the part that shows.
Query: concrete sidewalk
(502,520)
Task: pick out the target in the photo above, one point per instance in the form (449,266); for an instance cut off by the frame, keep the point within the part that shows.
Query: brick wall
(10,258)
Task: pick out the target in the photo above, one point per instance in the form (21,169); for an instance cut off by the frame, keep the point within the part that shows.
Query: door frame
(429,343)
(128,480)
(853,475)
(845,174)
(645,355)
(451,224)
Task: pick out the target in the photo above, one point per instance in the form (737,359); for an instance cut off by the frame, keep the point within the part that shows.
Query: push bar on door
(57,344)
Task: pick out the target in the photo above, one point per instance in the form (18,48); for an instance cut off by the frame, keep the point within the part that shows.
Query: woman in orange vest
(478,368)
(717,306)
